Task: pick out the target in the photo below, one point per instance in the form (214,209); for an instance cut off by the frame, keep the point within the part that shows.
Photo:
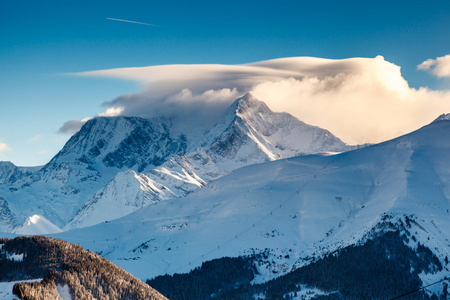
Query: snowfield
(37,225)
(64,292)
(294,209)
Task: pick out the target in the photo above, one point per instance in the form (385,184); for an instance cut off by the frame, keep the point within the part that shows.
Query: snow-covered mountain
(88,161)
(125,163)
(294,210)
(122,142)
(124,194)
(248,133)
(10,173)
(35,225)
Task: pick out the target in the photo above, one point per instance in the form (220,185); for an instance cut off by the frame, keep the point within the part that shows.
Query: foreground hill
(296,211)
(65,266)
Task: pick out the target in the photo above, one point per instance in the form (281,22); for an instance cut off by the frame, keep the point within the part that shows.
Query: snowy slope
(124,194)
(7,218)
(264,135)
(303,206)
(37,225)
(86,164)
(10,173)
(248,133)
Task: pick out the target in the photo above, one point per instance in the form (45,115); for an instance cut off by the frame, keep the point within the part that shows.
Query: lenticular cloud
(361,100)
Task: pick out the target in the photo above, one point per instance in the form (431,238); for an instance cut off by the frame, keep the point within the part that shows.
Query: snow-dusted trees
(88,275)
(211,279)
(381,268)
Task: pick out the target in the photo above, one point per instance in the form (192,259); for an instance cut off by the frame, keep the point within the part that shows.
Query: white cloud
(35,138)
(439,67)
(358,99)
(185,108)
(4,148)
(426,65)
(72,126)
(111,112)
(353,109)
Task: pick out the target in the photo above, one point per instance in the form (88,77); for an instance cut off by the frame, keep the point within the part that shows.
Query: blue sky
(42,41)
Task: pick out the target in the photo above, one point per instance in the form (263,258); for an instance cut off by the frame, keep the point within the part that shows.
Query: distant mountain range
(389,201)
(262,206)
(116,165)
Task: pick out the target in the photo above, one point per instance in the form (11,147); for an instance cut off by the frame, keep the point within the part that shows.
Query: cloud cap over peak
(295,67)
(359,99)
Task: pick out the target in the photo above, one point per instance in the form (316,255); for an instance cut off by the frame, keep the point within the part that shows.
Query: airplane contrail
(120,20)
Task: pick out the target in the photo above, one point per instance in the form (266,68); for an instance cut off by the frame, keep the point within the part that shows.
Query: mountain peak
(246,105)
(252,133)
(100,162)
(443,117)
(247,99)
(249,103)
(130,142)
(37,224)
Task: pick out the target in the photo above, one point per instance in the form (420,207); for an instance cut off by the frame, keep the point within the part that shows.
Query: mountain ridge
(248,133)
(110,154)
(295,208)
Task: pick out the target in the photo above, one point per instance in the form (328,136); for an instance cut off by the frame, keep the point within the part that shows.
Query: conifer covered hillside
(63,265)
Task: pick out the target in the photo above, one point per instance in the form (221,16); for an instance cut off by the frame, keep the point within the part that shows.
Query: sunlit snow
(295,208)
(37,225)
